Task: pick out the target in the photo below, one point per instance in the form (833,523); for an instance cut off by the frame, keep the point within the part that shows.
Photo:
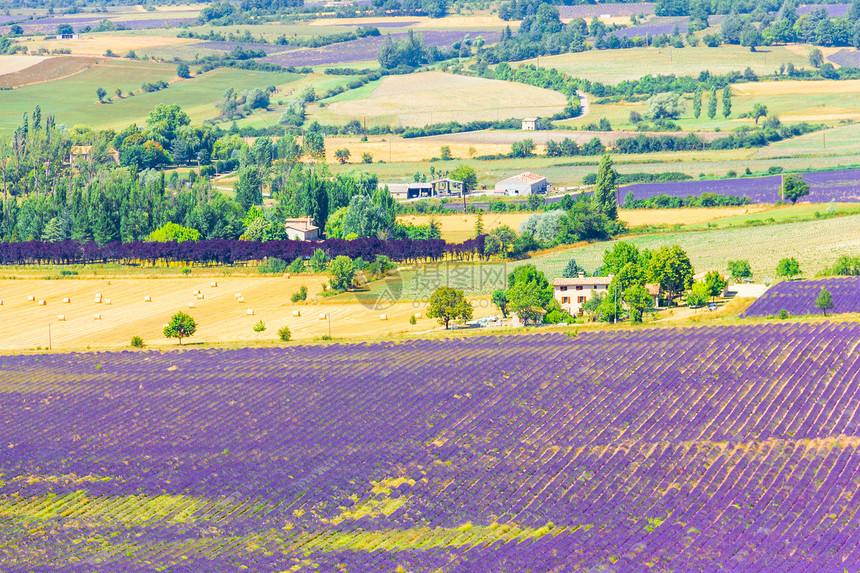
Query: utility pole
(49,336)
(616,304)
(328,315)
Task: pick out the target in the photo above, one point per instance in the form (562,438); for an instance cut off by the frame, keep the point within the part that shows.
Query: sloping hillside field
(798,297)
(663,450)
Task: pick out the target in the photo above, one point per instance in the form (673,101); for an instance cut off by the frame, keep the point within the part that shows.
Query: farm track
(675,450)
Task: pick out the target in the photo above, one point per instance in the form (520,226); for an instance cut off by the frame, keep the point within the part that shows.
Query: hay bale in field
(66,300)
(417,315)
(97,316)
(43,302)
(1,302)
(61,317)
(250,312)
(107,301)
(297,313)
(238,295)
(97,300)
(98,295)
(465,218)
(383,316)
(31,298)
(147,298)
(190,305)
(323,315)
(213,284)
(240,299)
(286,275)
(196,292)
(200,296)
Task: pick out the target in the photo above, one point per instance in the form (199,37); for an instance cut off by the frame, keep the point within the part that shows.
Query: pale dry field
(220,318)
(98,45)
(12,64)
(460,227)
(796,87)
(452,21)
(437,97)
(392,148)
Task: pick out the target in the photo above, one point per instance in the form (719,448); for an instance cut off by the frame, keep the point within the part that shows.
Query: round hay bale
(213,284)
(147,298)
(240,299)
(1,302)
(196,292)
(383,316)
(417,315)
(323,315)
(67,300)
(31,298)
(107,301)
(61,317)
(98,295)
(42,303)
(190,305)
(465,218)
(286,275)
(200,296)
(97,316)
(297,313)
(97,300)
(250,312)
(238,295)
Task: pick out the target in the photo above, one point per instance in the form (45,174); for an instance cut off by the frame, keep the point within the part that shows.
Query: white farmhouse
(572,293)
(301,229)
(529,124)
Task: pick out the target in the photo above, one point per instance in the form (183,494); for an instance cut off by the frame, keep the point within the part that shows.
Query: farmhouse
(84,152)
(302,229)
(529,124)
(437,188)
(526,183)
(654,290)
(573,292)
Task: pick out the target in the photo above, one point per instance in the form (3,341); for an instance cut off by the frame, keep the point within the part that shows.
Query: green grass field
(73,100)
(613,66)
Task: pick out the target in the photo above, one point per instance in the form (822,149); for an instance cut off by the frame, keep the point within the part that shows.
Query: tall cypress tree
(697,102)
(604,199)
(727,101)
(712,104)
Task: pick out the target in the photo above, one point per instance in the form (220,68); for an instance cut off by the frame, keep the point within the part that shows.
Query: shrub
(272,265)
(136,342)
(284,333)
(783,314)
(301,295)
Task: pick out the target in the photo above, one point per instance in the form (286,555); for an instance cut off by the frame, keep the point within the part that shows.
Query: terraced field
(668,450)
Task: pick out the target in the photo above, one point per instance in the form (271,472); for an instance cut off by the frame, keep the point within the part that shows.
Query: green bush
(284,333)
(301,295)
(136,342)
(272,265)
(783,314)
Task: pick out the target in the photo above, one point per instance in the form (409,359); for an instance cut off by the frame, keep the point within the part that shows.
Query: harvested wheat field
(458,228)
(12,64)
(46,70)
(393,149)
(797,87)
(98,45)
(436,97)
(220,315)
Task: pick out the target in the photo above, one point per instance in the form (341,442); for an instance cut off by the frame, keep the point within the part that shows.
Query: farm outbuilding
(437,188)
(526,183)
(529,123)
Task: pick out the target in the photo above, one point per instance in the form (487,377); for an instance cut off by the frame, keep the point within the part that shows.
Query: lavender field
(730,448)
(364,49)
(848,57)
(655,26)
(615,10)
(798,297)
(824,186)
(834,10)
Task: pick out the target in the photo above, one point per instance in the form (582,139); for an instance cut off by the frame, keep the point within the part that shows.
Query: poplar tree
(604,199)
(727,101)
(697,102)
(712,104)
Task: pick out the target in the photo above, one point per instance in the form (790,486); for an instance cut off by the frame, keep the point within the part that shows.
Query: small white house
(526,183)
(301,229)
(529,124)
(571,293)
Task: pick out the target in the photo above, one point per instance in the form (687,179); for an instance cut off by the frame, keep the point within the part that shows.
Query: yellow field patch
(832,114)
(795,87)
(98,45)
(394,149)
(12,64)
(436,97)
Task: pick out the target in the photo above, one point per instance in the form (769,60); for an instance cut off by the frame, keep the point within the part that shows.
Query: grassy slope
(73,100)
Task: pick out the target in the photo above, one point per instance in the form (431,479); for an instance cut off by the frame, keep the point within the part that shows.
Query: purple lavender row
(824,186)
(798,297)
(615,10)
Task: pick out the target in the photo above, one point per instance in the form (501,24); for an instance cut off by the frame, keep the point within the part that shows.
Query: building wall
(572,299)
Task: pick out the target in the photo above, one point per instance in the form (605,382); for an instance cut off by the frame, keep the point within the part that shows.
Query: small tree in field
(788,268)
(101,93)
(759,111)
(342,155)
(181,326)
(447,304)
(260,327)
(739,269)
(182,70)
(793,188)
(824,300)
(284,333)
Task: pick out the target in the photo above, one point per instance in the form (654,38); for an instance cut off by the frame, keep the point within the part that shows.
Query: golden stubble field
(220,317)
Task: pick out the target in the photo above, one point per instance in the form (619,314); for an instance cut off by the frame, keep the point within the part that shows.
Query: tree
(698,295)
(665,105)
(759,111)
(788,268)
(816,59)
(572,269)
(671,267)
(618,256)
(342,155)
(445,153)
(715,282)
(182,70)
(341,272)
(638,300)
(712,104)
(739,269)
(697,102)
(525,300)
(500,299)
(366,158)
(824,301)
(750,37)
(249,189)
(181,326)
(284,333)
(793,188)
(101,93)
(260,326)
(727,101)
(171,232)
(448,304)
(319,261)
(604,197)
(479,224)
(465,173)
(363,218)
